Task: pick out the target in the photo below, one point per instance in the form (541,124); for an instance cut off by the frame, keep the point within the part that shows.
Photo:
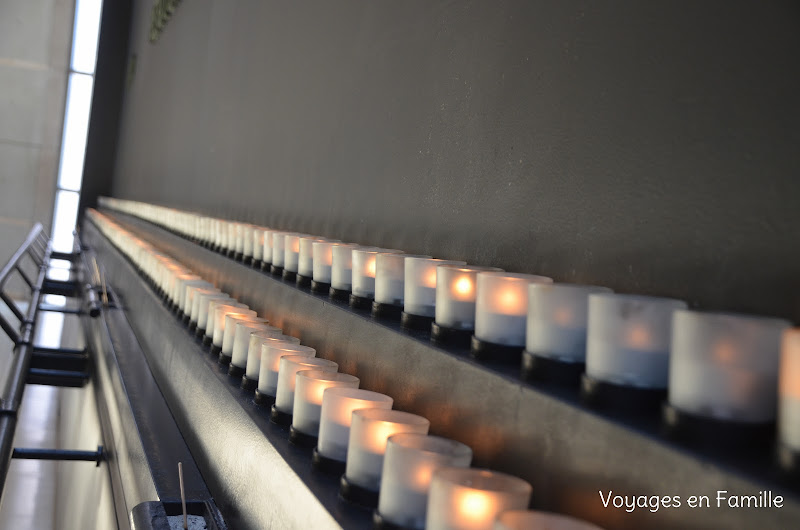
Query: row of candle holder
(386,458)
(724,376)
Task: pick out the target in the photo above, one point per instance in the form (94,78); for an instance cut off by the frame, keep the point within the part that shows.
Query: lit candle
(253,367)
(338,405)
(271,354)
(456,291)
(531,519)
(229,332)
(291,254)
(628,339)
(266,251)
(288,367)
(247,242)
(472,499)
(557,320)
(192,300)
(408,466)
(200,313)
(390,282)
(725,366)
(789,391)
(278,251)
(364,268)
(369,431)
(258,244)
(309,388)
(227,319)
(342,270)
(419,307)
(217,309)
(241,342)
(182,291)
(501,310)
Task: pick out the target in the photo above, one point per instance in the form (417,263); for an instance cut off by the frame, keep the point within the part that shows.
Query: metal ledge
(539,433)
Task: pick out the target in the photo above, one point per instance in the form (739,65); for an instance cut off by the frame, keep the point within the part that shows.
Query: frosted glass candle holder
(532,519)
(291,254)
(271,354)
(254,349)
(472,499)
(628,339)
(501,311)
(789,399)
(278,251)
(555,338)
(419,305)
(456,291)
(725,366)
(364,269)
(338,405)
(241,343)
(229,332)
(266,251)
(247,241)
(191,303)
(216,318)
(289,365)
(221,326)
(342,268)
(322,256)
(370,430)
(310,386)
(183,287)
(408,466)
(305,264)
(200,313)
(258,243)
(390,277)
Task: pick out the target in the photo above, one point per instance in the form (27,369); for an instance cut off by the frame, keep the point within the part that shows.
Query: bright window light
(76,126)
(64,217)
(84,40)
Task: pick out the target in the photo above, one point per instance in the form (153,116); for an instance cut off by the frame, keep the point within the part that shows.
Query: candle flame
(296,245)
(724,352)
(474,505)
(371,266)
(463,286)
(638,337)
(562,316)
(430,278)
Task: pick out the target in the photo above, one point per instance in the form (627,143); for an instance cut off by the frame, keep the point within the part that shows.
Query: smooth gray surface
(567,453)
(35,45)
(647,146)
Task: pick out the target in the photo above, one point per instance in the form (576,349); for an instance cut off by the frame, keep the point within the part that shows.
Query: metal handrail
(11,396)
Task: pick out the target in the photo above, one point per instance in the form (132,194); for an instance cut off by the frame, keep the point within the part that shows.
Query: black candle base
(215,350)
(238,256)
(386,311)
(278,417)
(249,384)
(720,435)
(185,319)
(339,294)
(263,399)
(495,353)
(235,371)
(539,368)
(379,523)
(320,287)
(199,333)
(231,253)
(303,281)
(289,276)
(415,322)
(301,439)
(206,340)
(360,302)
(788,460)
(192,326)
(630,399)
(216,248)
(275,271)
(326,465)
(224,359)
(355,494)
(247,260)
(265,266)
(257,263)
(451,336)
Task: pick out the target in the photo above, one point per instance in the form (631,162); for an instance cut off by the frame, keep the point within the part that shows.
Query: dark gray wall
(648,146)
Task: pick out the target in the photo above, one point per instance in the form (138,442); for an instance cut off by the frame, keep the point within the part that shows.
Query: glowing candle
(200,314)
(305,264)
(241,341)
(338,405)
(291,251)
(288,367)
(370,430)
(501,307)
(408,466)
(182,290)
(258,243)
(226,318)
(628,339)
(471,499)
(725,366)
(789,391)
(266,251)
(390,277)
(271,354)
(420,284)
(364,268)
(456,291)
(254,349)
(342,267)
(528,519)
(557,320)
(217,309)
(309,388)
(278,249)
(191,300)
(247,241)
(322,256)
